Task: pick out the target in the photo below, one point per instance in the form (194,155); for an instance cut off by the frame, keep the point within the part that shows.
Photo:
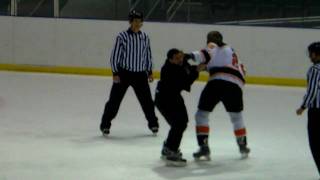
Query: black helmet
(134,14)
(314,48)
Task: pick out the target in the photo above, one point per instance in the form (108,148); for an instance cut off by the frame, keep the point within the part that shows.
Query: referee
(131,63)
(312,102)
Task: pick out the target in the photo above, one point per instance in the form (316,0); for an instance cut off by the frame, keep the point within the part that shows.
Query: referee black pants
(175,113)
(314,134)
(139,82)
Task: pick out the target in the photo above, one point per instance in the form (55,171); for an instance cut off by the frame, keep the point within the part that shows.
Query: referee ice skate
(131,63)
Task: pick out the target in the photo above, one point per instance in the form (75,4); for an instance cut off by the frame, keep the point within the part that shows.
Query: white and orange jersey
(204,55)
(224,64)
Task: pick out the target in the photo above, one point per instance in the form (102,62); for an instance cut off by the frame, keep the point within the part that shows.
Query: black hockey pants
(174,111)
(139,82)
(314,134)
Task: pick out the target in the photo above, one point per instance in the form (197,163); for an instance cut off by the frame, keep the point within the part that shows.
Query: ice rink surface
(49,131)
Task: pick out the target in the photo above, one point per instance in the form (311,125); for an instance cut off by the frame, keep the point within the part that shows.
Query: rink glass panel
(5,7)
(35,8)
(283,13)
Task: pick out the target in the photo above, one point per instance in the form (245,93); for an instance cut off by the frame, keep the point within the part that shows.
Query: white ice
(49,131)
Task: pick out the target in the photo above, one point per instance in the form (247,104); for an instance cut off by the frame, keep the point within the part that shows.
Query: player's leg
(208,99)
(240,133)
(314,134)
(117,93)
(177,118)
(175,113)
(202,130)
(233,102)
(142,90)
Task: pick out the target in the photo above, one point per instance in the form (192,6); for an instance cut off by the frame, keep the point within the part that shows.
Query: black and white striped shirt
(312,96)
(131,52)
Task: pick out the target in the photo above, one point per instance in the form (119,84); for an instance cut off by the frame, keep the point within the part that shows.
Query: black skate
(175,160)
(165,152)
(172,158)
(105,128)
(244,150)
(154,127)
(105,132)
(203,154)
(154,130)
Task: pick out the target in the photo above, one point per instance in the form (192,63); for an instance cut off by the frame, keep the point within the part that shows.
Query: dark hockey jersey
(175,78)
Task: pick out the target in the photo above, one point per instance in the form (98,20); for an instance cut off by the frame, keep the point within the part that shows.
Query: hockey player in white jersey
(224,85)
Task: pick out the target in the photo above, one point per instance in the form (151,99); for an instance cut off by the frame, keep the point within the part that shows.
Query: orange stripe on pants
(240,132)
(202,129)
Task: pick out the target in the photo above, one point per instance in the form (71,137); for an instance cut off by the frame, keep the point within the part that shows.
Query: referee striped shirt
(312,96)
(131,52)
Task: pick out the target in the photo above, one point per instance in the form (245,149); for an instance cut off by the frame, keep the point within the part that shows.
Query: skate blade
(175,164)
(202,158)
(244,155)
(105,135)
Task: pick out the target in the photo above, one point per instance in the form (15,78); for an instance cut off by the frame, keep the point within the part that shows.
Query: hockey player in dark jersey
(176,75)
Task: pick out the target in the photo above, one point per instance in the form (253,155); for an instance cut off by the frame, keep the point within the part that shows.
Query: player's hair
(314,48)
(134,14)
(215,37)
(172,52)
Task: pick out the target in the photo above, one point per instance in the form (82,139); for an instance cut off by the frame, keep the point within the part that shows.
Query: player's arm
(312,89)
(115,58)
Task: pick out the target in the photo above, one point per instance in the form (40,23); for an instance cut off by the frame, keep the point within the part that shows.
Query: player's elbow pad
(201,56)
(206,56)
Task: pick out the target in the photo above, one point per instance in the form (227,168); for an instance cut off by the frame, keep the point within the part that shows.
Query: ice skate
(154,128)
(105,129)
(105,132)
(172,158)
(175,161)
(203,154)
(165,152)
(244,150)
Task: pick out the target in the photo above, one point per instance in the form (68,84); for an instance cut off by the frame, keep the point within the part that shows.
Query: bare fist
(299,111)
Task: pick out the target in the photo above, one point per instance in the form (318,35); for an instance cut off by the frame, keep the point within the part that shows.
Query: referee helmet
(314,48)
(134,14)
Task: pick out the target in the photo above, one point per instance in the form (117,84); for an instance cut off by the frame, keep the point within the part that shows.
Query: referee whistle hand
(299,111)
(116,79)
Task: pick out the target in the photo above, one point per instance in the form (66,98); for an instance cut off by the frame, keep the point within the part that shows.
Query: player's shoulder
(227,49)
(316,67)
(123,33)
(144,34)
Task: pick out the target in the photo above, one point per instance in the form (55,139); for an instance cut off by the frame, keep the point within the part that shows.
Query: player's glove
(188,57)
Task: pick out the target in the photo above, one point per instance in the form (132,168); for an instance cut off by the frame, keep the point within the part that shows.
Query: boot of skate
(203,154)
(243,149)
